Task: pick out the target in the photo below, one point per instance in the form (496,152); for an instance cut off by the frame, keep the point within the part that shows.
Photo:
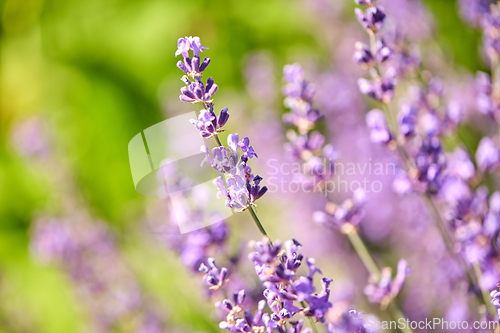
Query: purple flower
(379,133)
(363,55)
(383,51)
(349,211)
(298,99)
(381,89)
(460,163)
(192,67)
(319,304)
(31,138)
(474,10)
(303,287)
(484,100)
(407,120)
(401,183)
(189,43)
(197,92)
(385,289)
(228,160)
(431,125)
(349,322)
(454,113)
(372,19)
(278,270)
(430,162)
(255,190)
(209,124)
(487,154)
(240,192)
(239,319)
(293,73)
(214,277)
(495,295)
(236,193)
(248,151)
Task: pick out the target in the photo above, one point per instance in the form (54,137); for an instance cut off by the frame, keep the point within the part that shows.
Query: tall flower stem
(216,137)
(360,248)
(257,222)
(441,225)
(372,267)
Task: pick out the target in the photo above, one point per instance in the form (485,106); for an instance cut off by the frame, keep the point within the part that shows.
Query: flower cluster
(372,18)
(305,144)
(374,57)
(239,319)
(383,289)
(241,188)
(214,277)
(350,211)
(209,124)
(277,270)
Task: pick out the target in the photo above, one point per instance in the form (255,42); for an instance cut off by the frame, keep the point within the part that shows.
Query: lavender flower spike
(214,277)
(495,295)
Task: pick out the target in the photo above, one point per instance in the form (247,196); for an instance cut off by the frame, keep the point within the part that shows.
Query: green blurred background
(99,72)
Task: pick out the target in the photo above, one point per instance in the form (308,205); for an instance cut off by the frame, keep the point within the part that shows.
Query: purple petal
(204,64)
(232,141)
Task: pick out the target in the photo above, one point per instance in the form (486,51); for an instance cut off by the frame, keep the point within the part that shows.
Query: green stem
(257,222)
(311,321)
(224,293)
(373,44)
(218,141)
(362,251)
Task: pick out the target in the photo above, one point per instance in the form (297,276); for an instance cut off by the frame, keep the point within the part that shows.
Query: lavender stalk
(308,146)
(242,192)
(428,172)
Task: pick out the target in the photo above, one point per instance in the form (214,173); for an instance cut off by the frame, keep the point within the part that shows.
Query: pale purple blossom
(487,154)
